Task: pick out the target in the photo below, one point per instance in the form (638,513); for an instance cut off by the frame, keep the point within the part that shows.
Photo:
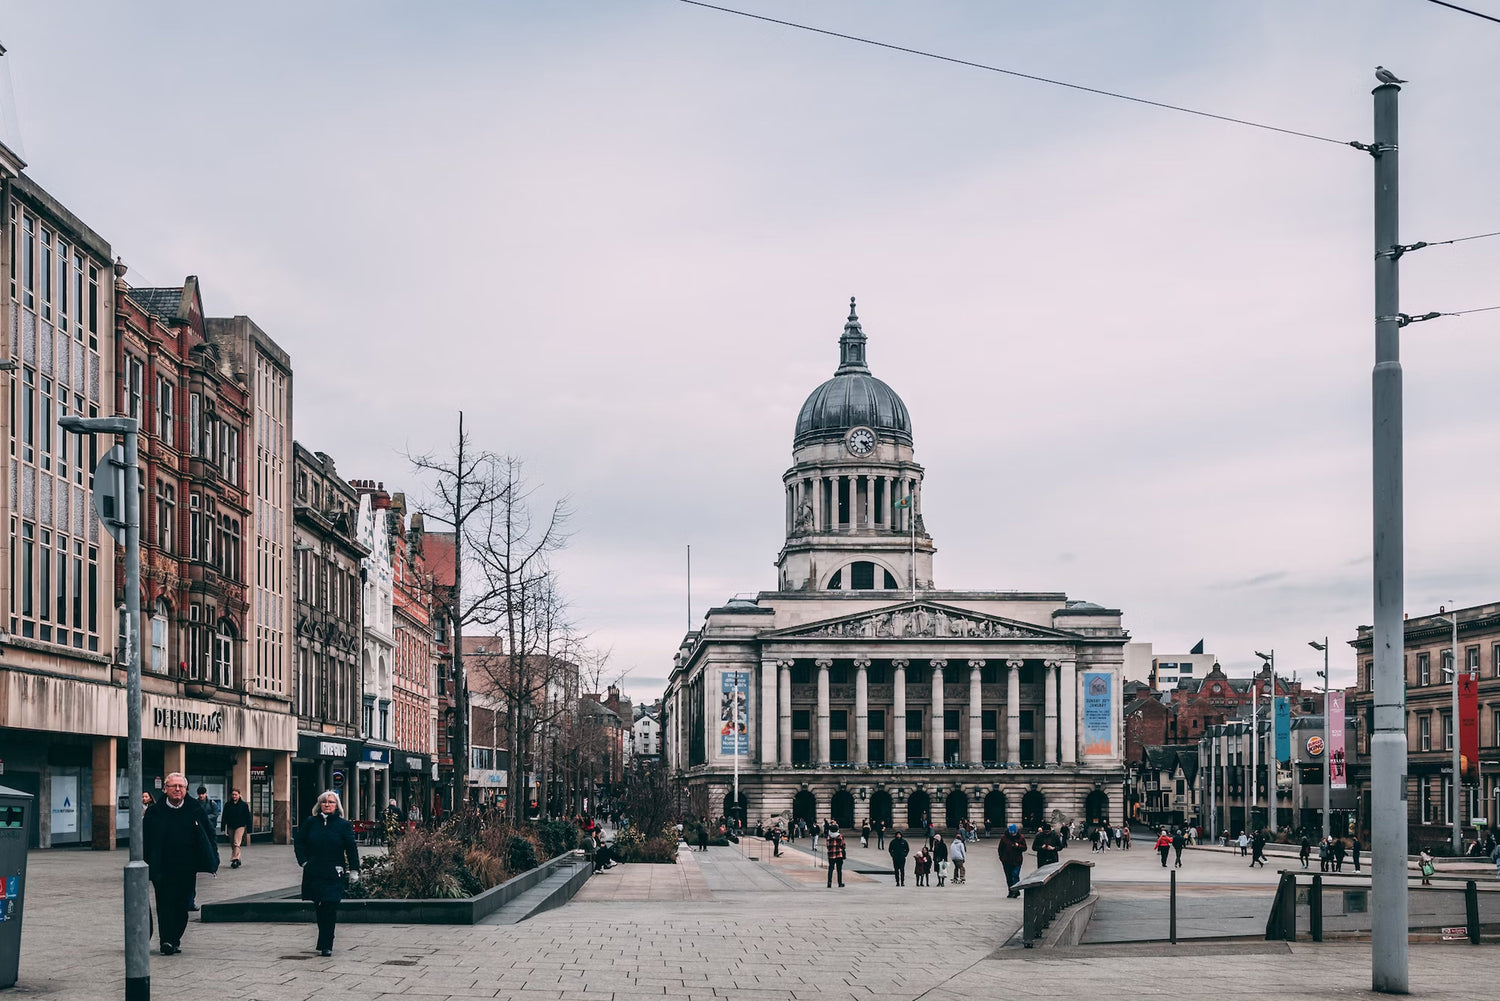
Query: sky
(621,237)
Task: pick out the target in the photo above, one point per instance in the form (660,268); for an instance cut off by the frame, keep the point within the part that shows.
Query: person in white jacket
(957,854)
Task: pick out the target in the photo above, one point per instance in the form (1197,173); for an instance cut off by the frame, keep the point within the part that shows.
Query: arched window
(223,662)
(862,575)
(159,637)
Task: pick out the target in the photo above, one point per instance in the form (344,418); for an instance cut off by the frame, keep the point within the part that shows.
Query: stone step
(554,891)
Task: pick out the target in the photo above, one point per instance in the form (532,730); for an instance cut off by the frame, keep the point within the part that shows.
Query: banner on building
(1468,727)
(1283,729)
(1337,771)
(734,735)
(1098,714)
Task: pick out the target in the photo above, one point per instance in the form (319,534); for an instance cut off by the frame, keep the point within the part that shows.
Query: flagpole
(911,515)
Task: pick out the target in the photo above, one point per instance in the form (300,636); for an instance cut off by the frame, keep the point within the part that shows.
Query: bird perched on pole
(1386,76)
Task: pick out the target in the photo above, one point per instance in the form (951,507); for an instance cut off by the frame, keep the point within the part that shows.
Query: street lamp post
(1455,795)
(1327,723)
(1270,659)
(137,896)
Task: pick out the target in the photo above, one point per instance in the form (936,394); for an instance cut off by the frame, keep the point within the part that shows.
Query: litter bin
(15,809)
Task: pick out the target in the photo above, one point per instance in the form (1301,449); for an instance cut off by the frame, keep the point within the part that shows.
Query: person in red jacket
(836,853)
(1164,845)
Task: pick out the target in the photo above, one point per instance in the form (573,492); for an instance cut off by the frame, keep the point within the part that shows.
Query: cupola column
(862,711)
(785,706)
(898,710)
(1049,709)
(823,735)
(976,754)
(935,753)
(1013,712)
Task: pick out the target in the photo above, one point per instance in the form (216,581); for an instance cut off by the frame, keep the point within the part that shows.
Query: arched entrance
(805,807)
(918,807)
(880,808)
(742,812)
(994,808)
(842,808)
(1033,807)
(958,807)
(1096,807)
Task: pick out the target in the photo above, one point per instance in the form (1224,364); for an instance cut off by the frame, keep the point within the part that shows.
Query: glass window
(877,720)
(223,656)
(159,638)
(838,719)
(1424,669)
(1424,733)
(913,721)
(1447,731)
(195,421)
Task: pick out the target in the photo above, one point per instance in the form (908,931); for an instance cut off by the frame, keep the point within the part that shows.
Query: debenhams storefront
(64,741)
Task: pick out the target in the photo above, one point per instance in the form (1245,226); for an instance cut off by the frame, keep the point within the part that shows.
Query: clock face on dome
(860,441)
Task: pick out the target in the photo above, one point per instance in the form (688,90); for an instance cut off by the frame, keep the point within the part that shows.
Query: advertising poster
(1283,729)
(734,735)
(1098,714)
(1338,777)
(64,804)
(1468,727)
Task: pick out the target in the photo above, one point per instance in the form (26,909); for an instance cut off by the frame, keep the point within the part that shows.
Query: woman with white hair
(326,851)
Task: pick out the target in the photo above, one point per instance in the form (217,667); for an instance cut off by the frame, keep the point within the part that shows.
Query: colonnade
(873,502)
(1059,711)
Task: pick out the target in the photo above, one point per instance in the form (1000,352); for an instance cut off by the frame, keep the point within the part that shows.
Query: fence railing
(1047,891)
(1455,905)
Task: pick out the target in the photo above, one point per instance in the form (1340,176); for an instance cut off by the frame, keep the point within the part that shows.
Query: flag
(904,502)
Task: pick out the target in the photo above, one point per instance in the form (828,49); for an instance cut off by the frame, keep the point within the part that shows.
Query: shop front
(412,785)
(64,741)
(374,778)
(325,763)
(489,787)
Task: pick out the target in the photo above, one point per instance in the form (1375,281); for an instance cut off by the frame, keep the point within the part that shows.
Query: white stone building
(645,737)
(378,655)
(860,689)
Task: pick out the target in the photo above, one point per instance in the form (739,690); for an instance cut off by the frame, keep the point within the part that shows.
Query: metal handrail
(1049,890)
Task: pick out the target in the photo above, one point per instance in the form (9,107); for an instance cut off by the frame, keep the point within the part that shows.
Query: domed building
(859,690)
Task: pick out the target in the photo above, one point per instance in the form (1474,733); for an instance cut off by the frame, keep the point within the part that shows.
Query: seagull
(1386,76)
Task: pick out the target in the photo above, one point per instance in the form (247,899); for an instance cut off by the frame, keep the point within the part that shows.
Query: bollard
(1471,909)
(1315,908)
(1172,909)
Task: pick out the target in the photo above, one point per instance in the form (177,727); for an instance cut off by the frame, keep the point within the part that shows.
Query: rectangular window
(801,719)
(44,577)
(1495,661)
(78,296)
(951,720)
(135,374)
(44,270)
(1028,720)
(989,750)
(1447,667)
(62,586)
(44,422)
(989,720)
(1495,731)
(93,308)
(838,751)
(195,421)
(913,748)
(801,751)
(951,750)
(166,513)
(28,415)
(1424,733)
(1471,659)
(913,721)
(28,571)
(877,721)
(838,720)
(877,751)
(28,261)
(164,412)
(195,528)
(1447,721)
(62,286)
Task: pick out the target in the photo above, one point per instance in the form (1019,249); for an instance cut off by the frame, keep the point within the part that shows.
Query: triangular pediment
(922,620)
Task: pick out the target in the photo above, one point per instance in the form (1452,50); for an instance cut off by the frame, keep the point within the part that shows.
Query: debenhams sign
(175,719)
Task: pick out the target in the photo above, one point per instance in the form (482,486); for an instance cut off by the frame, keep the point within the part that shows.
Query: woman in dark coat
(326,851)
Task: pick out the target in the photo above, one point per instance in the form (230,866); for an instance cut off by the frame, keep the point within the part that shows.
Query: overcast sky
(1135,344)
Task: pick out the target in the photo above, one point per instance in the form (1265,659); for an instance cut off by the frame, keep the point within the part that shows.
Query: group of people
(1106,838)
(179,842)
(1169,841)
(1331,852)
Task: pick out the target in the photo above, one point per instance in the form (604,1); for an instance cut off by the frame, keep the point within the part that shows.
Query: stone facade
(859,689)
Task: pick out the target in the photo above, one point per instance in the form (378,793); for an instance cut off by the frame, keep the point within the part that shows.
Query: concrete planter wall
(286,905)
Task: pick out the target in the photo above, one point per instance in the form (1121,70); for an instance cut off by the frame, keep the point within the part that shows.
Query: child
(1425,861)
(922,867)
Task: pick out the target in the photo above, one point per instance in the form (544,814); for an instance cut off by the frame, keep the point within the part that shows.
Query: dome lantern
(852,398)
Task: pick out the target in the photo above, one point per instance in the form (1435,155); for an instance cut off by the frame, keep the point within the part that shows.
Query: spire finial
(852,345)
(852,314)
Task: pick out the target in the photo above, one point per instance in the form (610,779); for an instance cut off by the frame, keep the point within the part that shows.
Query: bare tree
(466,486)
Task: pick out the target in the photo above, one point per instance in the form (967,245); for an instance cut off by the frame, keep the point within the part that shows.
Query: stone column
(373,803)
(785,756)
(823,738)
(1068,711)
(854,512)
(976,704)
(815,487)
(862,711)
(174,759)
(898,709)
(281,798)
(935,752)
(1049,709)
(1013,712)
(105,793)
(767,712)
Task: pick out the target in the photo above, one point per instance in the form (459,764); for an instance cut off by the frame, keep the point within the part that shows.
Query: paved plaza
(731,922)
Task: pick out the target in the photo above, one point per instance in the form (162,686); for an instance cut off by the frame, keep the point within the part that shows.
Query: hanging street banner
(1338,777)
(1098,714)
(1283,729)
(732,705)
(1468,727)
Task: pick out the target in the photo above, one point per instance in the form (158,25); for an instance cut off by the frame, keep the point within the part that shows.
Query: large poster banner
(1098,714)
(1468,727)
(732,713)
(1283,729)
(1337,773)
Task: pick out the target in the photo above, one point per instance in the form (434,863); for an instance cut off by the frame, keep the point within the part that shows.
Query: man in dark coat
(1012,854)
(1046,845)
(899,850)
(178,845)
(326,851)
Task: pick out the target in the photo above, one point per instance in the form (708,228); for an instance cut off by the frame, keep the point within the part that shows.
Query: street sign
(1450,934)
(109,492)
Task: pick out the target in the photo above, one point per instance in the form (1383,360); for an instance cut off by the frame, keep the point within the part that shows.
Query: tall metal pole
(1271,747)
(137,895)
(1254,754)
(1456,795)
(1327,744)
(1388,814)
(736,727)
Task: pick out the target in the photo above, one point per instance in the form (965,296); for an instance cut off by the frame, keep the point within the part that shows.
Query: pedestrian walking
(899,850)
(864,835)
(236,821)
(1339,851)
(703,835)
(1179,841)
(1012,852)
(1125,837)
(1425,863)
(880,835)
(922,866)
(958,854)
(1244,843)
(776,841)
(1046,845)
(1163,846)
(1258,850)
(836,853)
(326,851)
(1306,850)
(1354,848)
(178,845)
(939,858)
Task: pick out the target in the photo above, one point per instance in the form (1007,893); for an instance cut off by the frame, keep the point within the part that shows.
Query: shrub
(520,854)
(557,836)
(465,855)
(632,845)
(692,833)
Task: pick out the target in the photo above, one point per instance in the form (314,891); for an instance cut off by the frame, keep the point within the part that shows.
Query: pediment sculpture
(924,621)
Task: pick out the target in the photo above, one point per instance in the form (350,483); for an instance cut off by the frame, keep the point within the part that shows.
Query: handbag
(1428,868)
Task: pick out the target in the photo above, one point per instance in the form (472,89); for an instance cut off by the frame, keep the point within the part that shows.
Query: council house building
(859,689)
